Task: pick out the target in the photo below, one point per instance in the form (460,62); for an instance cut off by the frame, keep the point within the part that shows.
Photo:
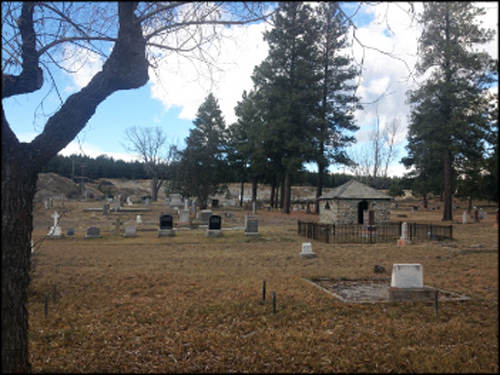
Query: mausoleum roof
(355,190)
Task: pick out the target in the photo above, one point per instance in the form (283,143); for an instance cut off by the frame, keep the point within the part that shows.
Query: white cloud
(93,152)
(80,65)
(185,83)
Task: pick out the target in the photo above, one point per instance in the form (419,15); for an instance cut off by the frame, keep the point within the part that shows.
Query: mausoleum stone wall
(344,211)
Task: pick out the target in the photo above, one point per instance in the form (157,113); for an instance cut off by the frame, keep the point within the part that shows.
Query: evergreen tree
(450,104)
(202,165)
(338,101)
(288,81)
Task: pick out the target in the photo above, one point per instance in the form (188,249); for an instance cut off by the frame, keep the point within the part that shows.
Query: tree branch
(126,68)
(31,77)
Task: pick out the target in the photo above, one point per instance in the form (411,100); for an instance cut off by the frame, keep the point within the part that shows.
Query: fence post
(451,232)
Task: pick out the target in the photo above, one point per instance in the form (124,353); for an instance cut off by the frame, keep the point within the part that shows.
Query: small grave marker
(307,251)
(93,232)
(404,241)
(70,231)
(407,283)
(130,231)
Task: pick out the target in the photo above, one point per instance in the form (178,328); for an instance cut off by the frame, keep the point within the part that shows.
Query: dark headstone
(93,232)
(214,222)
(70,232)
(215,203)
(166,222)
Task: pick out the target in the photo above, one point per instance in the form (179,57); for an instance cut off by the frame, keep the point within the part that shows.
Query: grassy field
(194,304)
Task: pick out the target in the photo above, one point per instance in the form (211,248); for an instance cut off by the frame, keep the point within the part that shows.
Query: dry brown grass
(194,304)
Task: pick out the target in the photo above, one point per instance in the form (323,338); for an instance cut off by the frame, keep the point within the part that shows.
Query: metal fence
(381,233)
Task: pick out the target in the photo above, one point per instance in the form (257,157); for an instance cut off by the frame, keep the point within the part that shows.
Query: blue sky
(176,89)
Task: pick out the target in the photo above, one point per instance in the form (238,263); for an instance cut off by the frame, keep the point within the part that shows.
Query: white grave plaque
(407,275)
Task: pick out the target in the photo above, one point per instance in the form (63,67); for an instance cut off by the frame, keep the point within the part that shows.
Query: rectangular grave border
(446,296)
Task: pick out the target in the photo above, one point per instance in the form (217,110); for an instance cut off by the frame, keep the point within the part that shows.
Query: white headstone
(307,250)
(129,201)
(464,218)
(138,219)
(130,231)
(407,275)
(403,241)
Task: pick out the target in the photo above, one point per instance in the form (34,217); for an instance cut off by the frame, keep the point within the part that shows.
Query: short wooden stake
(46,305)
(274,303)
(264,291)
(54,295)
(436,302)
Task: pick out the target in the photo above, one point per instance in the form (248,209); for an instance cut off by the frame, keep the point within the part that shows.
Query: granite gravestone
(130,231)
(166,226)
(214,226)
(251,225)
(93,232)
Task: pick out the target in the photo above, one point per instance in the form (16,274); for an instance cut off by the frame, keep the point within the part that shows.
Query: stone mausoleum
(346,204)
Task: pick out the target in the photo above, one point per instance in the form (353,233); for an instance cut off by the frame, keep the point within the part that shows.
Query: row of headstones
(476,216)
(214,222)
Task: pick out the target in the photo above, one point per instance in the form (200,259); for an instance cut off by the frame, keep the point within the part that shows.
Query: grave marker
(404,241)
(464,218)
(55,231)
(130,231)
(93,232)
(307,251)
(70,231)
(407,283)
(214,226)
(166,226)
(251,226)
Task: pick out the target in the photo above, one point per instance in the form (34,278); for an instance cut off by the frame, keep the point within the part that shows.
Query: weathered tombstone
(116,204)
(482,215)
(130,231)
(138,220)
(214,226)
(105,208)
(251,226)
(403,241)
(175,201)
(193,207)
(166,201)
(70,231)
(55,231)
(307,251)
(147,201)
(186,204)
(464,218)
(205,215)
(407,283)
(166,226)
(183,218)
(129,201)
(93,232)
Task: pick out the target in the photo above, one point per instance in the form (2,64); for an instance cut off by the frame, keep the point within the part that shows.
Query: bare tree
(40,38)
(149,142)
(372,162)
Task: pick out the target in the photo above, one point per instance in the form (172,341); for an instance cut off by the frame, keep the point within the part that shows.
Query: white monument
(138,219)
(404,241)
(307,251)
(407,283)
(55,230)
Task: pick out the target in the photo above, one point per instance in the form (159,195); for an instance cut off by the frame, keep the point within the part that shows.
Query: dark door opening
(363,205)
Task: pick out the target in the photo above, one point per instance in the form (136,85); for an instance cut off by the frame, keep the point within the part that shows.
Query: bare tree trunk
(286,190)
(254,190)
(18,192)
(448,189)
(319,188)
(242,192)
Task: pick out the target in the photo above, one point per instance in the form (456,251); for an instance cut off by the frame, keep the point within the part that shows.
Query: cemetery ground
(195,304)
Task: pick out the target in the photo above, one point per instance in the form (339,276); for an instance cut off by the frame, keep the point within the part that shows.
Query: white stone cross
(56,217)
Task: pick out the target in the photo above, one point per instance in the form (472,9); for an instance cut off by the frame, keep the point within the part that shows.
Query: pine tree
(288,81)
(450,104)
(202,166)
(338,100)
